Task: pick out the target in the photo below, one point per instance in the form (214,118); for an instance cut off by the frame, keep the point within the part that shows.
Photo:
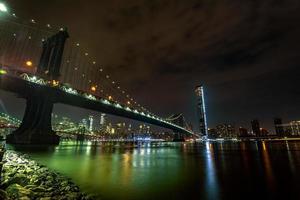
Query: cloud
(160,49)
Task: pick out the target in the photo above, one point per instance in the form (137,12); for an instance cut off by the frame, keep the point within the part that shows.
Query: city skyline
(149,99)
(237,87)
(102,122)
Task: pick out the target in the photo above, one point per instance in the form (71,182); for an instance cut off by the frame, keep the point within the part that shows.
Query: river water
(207,170)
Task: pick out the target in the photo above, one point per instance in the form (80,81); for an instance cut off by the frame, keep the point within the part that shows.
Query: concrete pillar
(36,125)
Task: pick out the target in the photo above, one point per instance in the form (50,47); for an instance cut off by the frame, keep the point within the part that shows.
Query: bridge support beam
(36,125)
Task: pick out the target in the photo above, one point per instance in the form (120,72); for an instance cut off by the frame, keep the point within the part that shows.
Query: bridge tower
(50,61)
(36,125)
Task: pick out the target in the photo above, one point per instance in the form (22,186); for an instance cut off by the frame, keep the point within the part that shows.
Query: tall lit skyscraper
(102,119)
(91,120)
(201,112)
(85,124)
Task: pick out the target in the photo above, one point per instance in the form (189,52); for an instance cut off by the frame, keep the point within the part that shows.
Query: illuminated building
(129,127)
(91,122)
(243,132)
(226,131)
(112,131)
(85,123)
(66,125)
(278,127)
(201,110)
(108,128)
(121,128)
(295,128)
(8,122)
(141,128)
(291,129)
(102,119)
(212,133)
(255,127)
(264,132)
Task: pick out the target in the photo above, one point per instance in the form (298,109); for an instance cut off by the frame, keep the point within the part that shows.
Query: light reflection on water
(228,170)
(210,173)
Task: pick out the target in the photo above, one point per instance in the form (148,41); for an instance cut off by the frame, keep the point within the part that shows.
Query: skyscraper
(102,120)
(212,133)
(199,91)
(255,127)
(91,120)
(243,132)
(85,123)
(278,127)
(226,131)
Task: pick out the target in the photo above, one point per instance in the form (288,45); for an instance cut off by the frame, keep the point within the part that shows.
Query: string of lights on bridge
(94,87)
(105,98)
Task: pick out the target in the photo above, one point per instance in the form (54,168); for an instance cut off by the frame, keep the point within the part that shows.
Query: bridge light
(118,105)
(2,72)
(94,88)
(128,102)
(3,8)
(106,102)
(29,63)
(110,98)
(55,83)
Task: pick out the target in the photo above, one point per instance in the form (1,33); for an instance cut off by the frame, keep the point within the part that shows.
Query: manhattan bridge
(43,65)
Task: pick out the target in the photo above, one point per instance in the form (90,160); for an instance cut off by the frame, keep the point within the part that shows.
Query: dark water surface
(227,170)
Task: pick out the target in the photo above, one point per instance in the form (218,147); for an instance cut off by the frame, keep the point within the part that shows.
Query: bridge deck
(24,87)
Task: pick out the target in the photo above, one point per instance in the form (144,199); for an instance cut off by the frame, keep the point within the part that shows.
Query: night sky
(246,53)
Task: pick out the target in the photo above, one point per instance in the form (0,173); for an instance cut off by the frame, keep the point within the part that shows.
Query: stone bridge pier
(36,125)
